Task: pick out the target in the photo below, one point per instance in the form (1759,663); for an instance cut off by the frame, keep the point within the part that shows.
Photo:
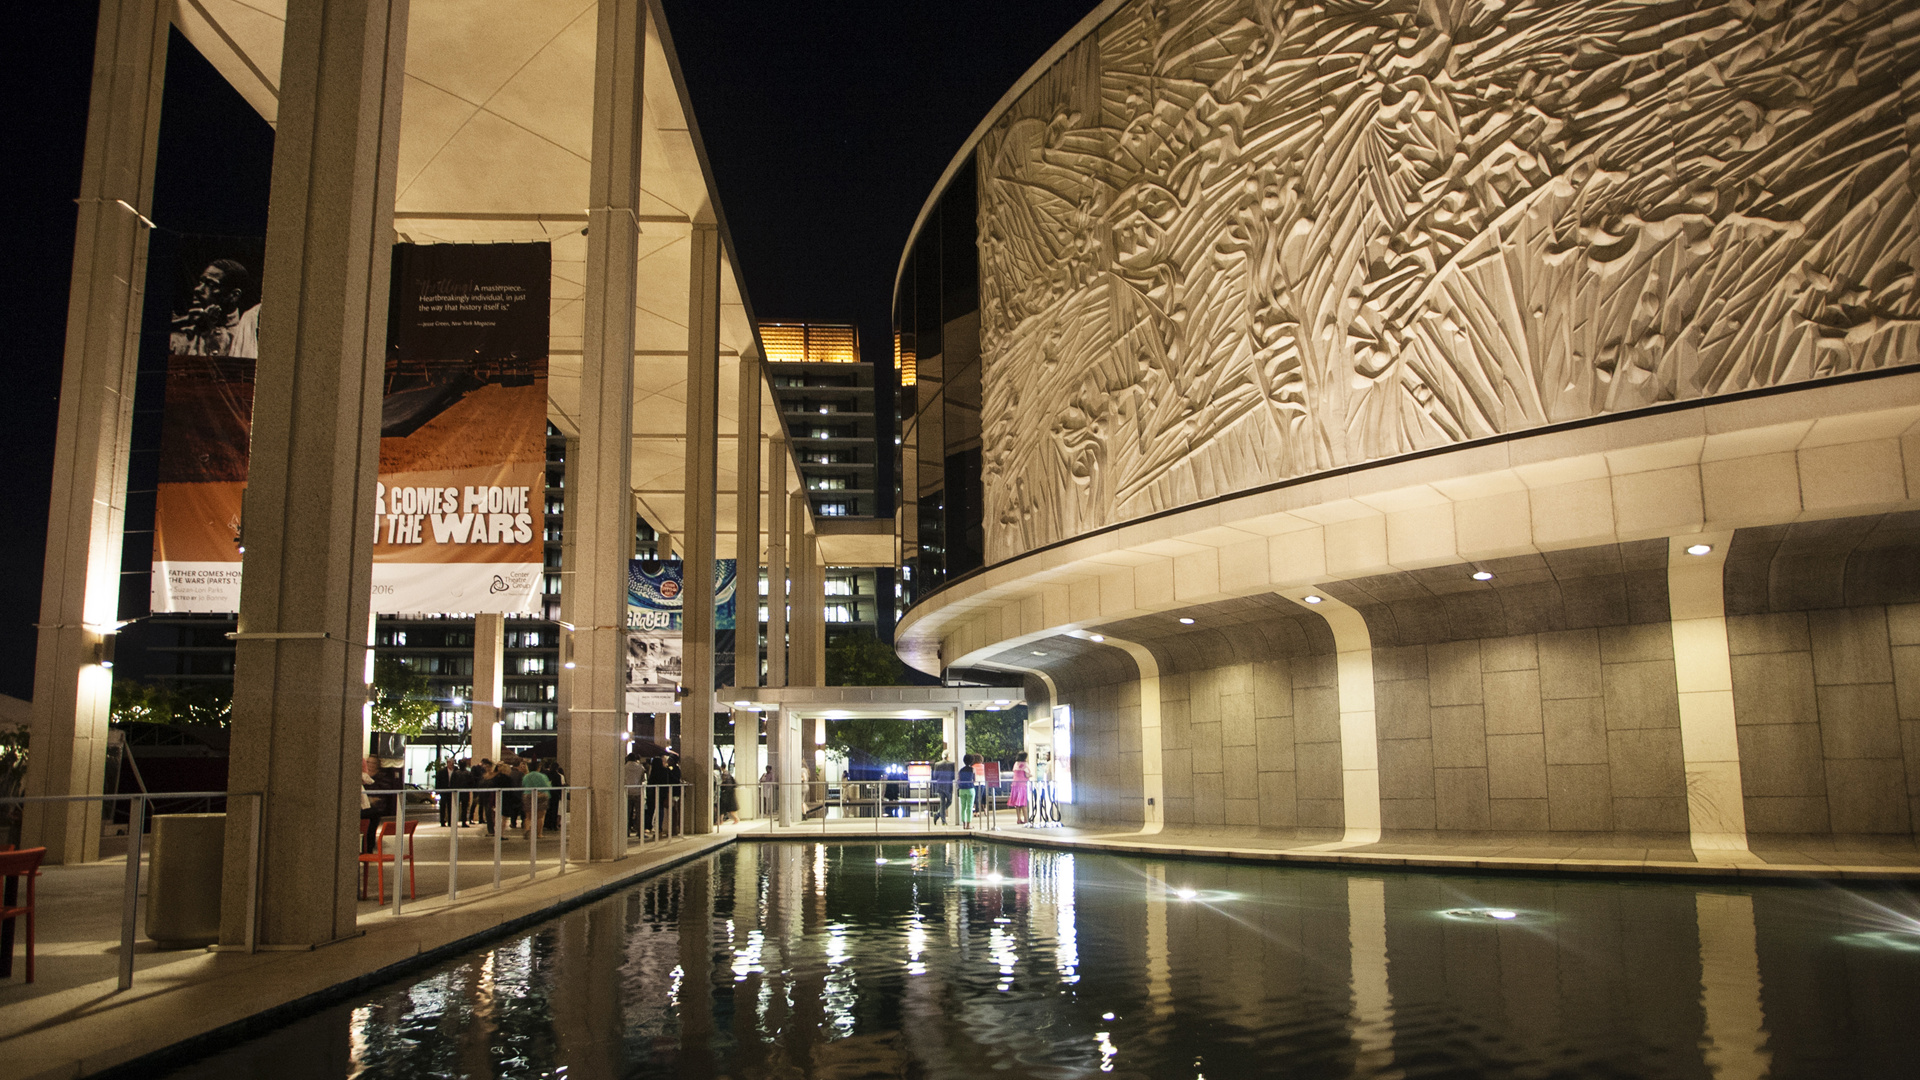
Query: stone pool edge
(136,1039)
(1118,844)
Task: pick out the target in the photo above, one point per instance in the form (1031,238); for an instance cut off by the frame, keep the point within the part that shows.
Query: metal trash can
(183,879)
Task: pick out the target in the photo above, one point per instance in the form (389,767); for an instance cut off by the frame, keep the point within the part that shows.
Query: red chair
(25,864)
(378,858)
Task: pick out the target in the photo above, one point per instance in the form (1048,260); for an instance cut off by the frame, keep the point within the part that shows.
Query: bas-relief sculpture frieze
(1228,242)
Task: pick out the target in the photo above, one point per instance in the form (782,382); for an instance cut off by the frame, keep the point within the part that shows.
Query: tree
(135,702)
(886,740)
(997,736)
(402,698)
(859,659)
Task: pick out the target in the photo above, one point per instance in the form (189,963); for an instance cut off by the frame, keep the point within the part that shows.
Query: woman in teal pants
(965,792)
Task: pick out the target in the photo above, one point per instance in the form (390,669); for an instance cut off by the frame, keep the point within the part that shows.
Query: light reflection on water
(792,960)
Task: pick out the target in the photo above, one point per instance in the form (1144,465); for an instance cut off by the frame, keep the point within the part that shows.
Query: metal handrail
(499,833)
(920,799)
(136,832)
(662,817)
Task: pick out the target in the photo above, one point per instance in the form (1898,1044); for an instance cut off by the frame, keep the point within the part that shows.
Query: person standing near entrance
(942,790)
(534,787)
(443,778)
(964,789)
(1017,794)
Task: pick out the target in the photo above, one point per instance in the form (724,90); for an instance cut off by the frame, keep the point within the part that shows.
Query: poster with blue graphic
(655,647)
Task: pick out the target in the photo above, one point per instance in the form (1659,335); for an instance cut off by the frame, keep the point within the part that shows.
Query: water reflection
(954,959)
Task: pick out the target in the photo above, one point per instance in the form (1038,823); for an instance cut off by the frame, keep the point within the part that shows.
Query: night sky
(826,125)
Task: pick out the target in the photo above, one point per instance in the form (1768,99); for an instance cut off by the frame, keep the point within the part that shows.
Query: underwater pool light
(1185,894)
(1496,914)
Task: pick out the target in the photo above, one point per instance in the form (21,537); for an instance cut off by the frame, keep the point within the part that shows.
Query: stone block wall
(1823,628)
(1828,708)
(1564,732)
(1254,745)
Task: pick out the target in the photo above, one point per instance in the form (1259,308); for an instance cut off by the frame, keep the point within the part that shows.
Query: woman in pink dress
(1017,798)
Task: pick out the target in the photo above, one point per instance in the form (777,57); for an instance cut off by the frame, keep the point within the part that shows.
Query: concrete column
(806,660)
(1359,738)
(746,533)
(489,683)
(747,761)
(696,612)
(303,657)
(80,585)
(1709,741)
(787,767)
(563,680)
(797,652)
(817,604)
(777,561)
(600,487)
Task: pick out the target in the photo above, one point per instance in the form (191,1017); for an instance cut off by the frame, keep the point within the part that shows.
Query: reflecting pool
(966,959)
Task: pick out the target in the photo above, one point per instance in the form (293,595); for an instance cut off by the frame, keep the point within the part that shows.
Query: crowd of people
(526,803)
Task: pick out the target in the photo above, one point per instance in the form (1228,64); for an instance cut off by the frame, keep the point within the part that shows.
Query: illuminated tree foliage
(402,698)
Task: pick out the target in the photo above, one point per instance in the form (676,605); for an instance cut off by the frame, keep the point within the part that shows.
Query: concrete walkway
(74,1021)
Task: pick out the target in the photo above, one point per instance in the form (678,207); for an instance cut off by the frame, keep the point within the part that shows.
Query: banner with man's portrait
(213,338)
(459,505)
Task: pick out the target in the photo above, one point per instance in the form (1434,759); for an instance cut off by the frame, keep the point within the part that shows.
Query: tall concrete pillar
(702,478)
(746,534)
(563,679)
(806,662)
(796,580)
(600,485)
(302,656)
(80,586)
(747,761)
(777,561)
(489,684)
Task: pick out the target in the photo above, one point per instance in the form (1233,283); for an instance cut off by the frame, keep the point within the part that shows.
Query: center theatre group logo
(499,585)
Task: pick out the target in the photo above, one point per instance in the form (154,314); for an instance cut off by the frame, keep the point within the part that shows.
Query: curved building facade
(1439,420)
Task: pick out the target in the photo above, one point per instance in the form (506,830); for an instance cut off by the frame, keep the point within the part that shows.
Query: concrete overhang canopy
(847,702)
(495,147)
(857,541)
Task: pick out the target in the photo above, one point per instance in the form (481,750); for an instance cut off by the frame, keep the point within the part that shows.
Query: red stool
(17,864)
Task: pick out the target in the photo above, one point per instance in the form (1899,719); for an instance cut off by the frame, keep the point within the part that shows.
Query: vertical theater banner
(458,509)
(655,638)
(463,430)
(213,339)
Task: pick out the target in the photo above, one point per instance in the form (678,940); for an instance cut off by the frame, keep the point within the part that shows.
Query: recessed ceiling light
(1700,549)
(1483,575)
(1186,621)
(1039,652)
(1311,599)
(1098,637)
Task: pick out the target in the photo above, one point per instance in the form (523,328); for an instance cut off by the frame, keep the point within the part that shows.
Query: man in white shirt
(633,774)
